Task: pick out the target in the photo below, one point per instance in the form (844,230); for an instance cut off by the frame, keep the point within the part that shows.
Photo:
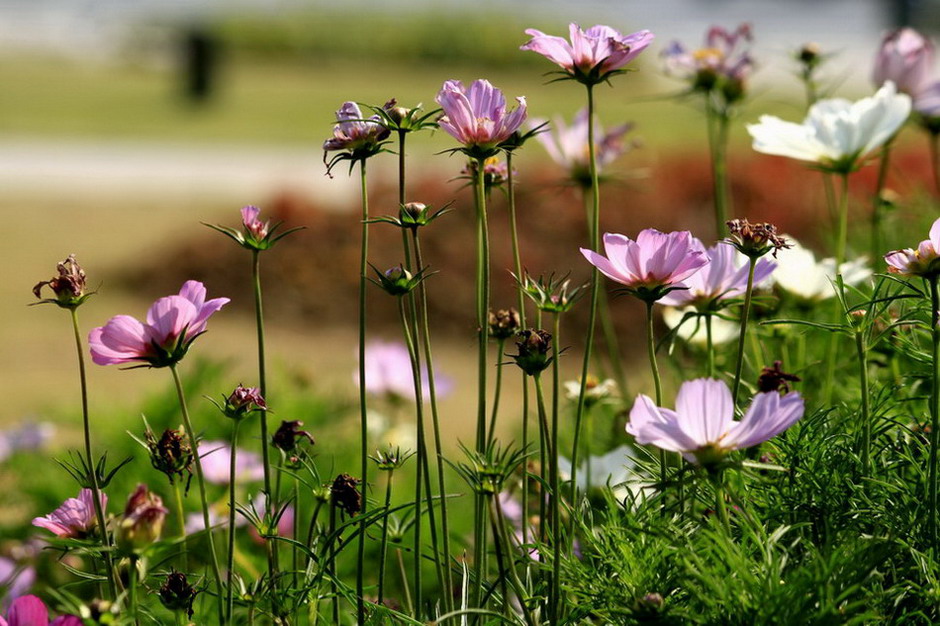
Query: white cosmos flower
(836,133)
(801,274)
(693,330)
(614,469)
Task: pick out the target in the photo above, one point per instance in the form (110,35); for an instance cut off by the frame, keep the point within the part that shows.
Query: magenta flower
(216,458)
(703,428)
(477,117)
(593,55)
(568,145)
(75,518)
(653,265)
(724,63)
(924,261)
(30,611)
(723,278)
(173,323)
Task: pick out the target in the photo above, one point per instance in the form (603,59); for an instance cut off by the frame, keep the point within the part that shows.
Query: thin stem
(500,343)
(230,593)
(383,552)
(89,460)
(935,158)
(720,504)
(843,215)
(552,452)
(132,589)
(404,582)
(500,534)
(862,352)
(878,203)
(200,480)
(934,414)
(332,564)
(842,212)
(657,382)
(745,313)
(709,347)
(363,413)
(181,523)
(718,140)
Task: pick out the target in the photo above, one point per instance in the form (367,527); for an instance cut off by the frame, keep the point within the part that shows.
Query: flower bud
(142,522)
(504,323)
(286,436)
(244,400)
(397,281)
(534,347)
(171,455)
(810,55)
(176,594)
(68,286)
(344,495)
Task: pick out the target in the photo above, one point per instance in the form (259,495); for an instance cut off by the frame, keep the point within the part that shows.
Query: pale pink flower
(653,264)
(15,580)
(477,117)
(31,611)
(592,55)
(173,323)
(703,429)
(724,61)
(568,145)
(924,261)
(723,278)
(216,457)
(388,373)
(906,58)
(75,518)
(254,226)
(353,132)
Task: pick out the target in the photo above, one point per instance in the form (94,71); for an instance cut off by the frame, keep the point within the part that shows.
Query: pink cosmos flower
(173,323)
(593,54)
(74,518)
(254,226)
(354,132)
(388,373)
(651,266)
(724,277)
(477,117)
(703,428)
(30,611)
(568,145)
(906,58)
(725,57)
(925,261)
(216,459)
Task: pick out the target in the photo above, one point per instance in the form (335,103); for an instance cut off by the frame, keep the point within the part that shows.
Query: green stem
(552,453)
(720,505)
(383,552)
(404,582)
(935,158)
(862,352)
(89,460)
(363,412)
(842,212)
(843,215)
(200,480)
(491,437)
(878,203)
(718,141)
(181,523)
(230,592)
(745,313)
(500,535)
(132,589)
(332,565)
(595,230)
(709,346)
(934,414)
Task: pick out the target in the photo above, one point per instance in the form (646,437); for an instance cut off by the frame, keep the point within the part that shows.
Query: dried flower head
(176,594)
(171,454)
(504,323)
(775,379)
(242,401)
(344,495)
(68,286)
(287,435)
(142,522)
(534,348)
(754,240)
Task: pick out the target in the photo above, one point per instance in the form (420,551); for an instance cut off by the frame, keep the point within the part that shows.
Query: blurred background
(126,123)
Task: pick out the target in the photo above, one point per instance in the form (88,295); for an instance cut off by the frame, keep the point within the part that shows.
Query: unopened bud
(504,323)
(534,347)
(142,522)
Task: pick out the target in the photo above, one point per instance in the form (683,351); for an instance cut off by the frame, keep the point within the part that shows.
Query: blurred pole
(199,61)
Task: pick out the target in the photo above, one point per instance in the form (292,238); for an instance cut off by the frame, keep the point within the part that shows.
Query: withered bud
(504,323)
(534,346)
(755,240)
(176,594)
(171,455)
(345,496)
(774,379)
(244,400)
(143,520)
(286,436)
(68,286)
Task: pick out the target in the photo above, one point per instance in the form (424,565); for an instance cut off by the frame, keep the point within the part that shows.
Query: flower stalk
(745,313)
(363,408)
(932,503)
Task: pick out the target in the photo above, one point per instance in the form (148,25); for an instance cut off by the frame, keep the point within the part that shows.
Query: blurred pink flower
(354,132)
(724,277)
(652,265)
(724,61)
(906,58)
(173,323)
(568,145)
(31,611)
(593,54)
(477,117)
(216,458)
(703,429)
(74,518)
(388,373)
(924,261)
(15,580)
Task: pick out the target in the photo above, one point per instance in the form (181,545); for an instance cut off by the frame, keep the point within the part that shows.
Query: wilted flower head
(721,66)
(593,55)
(242,401)
(836,134)
(799,273)
(504,323)
(288,434)
(754,240)
(703,428)
(535,351)
(568,145)
(68,286)
(173,323)
(906,58)
(344,495)
(216,459)
(724,277)
(477,117)
(653,265)
(774,378)
(924,261)
(176,594)
(143,520)
(75,518)
(171,454)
